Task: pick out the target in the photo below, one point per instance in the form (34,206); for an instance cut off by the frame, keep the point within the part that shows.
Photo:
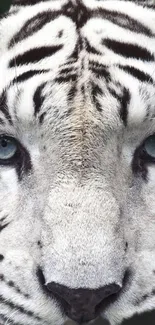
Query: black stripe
(80,14)
(3,227)
(140,2)
(141,300)
(67,70)
(21,309)
(96,91)
(27,2)
(124,101)
(23,164)
(1,257)
(33,25)
(90,49)
(27,75)
(66,78)
(4,107)
(100,70)
(123,20)
(13,285)
(34,55)
(69,62)
(113,93)
(3,218)
(140,162)
(151,6)
(83,90)
(140,75)
(5,320)
(128,50)
(38,98)
(72,92)
(74,56)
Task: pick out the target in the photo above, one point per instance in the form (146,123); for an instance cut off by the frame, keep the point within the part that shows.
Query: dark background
(4,5)
(145,319)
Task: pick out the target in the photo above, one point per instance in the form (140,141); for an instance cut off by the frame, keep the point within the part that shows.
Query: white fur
(81,199)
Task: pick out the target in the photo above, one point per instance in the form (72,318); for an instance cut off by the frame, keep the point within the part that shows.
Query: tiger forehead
(89,71)
(73,104)
(68,105)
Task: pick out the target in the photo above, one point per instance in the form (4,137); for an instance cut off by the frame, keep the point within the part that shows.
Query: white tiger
(77,161)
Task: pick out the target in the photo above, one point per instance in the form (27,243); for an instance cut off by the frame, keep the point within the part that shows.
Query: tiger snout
(83,258)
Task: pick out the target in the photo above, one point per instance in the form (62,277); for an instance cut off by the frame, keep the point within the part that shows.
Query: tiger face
(77,154)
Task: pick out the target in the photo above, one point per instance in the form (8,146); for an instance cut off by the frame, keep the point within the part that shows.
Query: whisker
(10,317)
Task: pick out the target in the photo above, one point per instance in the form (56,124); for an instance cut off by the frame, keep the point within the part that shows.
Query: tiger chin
(77,161)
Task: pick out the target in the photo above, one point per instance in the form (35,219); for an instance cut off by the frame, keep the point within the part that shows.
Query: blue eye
(8,148)
(149,146)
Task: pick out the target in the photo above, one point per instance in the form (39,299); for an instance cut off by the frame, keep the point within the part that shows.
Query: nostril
(110,290)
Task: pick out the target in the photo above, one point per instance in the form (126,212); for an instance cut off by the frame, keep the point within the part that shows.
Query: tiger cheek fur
(77,211)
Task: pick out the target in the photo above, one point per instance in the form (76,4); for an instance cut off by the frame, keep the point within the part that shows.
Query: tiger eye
(149,146)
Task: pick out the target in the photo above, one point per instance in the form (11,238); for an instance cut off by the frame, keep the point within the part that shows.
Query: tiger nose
(81,305)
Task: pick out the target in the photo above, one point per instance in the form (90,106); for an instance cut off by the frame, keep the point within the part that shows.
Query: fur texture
(77,92)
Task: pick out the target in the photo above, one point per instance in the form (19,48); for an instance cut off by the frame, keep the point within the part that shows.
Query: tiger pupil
(4,143)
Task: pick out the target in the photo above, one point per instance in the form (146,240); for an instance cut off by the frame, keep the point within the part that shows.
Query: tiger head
(77,154)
